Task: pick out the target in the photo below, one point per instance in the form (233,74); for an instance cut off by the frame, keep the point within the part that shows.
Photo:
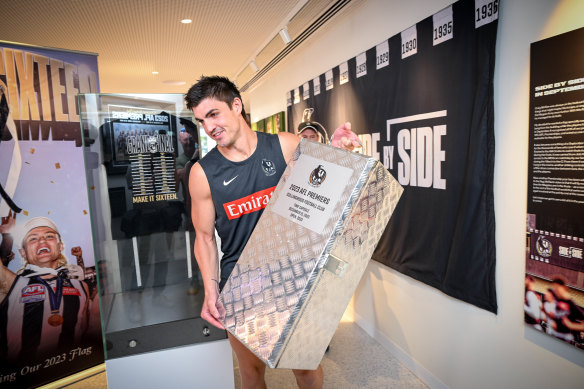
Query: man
(532,305)
(188,138)
(244,163)
(313,130)
(567,314)
(309,133)
(43,308)
(310,130)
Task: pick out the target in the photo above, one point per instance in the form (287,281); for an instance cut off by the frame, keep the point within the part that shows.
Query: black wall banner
(422,103)
(554,282)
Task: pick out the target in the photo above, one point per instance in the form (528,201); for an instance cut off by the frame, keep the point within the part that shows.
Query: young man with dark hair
(244,163)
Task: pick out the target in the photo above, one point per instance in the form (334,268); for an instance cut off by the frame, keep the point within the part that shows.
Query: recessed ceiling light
(186,21)
(155,72)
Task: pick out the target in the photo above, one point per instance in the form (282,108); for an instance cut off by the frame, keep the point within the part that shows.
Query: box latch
(335,265)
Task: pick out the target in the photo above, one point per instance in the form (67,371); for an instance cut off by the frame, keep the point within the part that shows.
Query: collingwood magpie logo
(317,176)
(152,144)
(268,167)
(543,247)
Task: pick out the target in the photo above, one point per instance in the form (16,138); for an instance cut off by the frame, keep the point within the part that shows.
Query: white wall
(446,342)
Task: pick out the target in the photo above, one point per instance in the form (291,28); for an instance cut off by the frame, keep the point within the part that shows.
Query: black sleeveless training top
(240,192)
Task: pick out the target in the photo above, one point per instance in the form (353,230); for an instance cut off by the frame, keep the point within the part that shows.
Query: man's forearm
(206,255)
(6,249)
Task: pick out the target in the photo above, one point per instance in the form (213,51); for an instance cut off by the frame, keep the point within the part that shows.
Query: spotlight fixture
(154,72)
(285,36)
(254,66)
(186,21)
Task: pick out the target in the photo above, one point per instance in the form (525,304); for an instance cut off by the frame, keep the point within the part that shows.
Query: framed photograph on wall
(279,122)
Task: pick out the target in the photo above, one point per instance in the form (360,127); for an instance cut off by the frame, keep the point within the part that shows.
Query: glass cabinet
(138,152)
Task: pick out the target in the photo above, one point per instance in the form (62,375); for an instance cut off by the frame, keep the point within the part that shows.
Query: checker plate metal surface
(291,285)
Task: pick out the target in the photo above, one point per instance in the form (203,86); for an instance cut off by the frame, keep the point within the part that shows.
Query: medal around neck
(55,319)
(305,257)
(55,299)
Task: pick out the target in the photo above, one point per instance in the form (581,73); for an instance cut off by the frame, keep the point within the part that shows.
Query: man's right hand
(344,138)
(8,222)
(212,309)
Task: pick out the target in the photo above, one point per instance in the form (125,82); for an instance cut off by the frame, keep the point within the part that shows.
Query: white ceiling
(136,37)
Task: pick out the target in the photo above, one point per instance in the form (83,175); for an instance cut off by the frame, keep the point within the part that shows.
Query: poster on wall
(261,125)
(49,310)
(554,279)
(279,122)
(272,124)
(422,103)
(269,121)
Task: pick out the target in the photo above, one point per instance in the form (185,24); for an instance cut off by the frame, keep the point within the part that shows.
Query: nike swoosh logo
(225,183)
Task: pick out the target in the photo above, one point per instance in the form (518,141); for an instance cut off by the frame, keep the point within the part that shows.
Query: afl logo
(317,176)
(268,167)
(543,247)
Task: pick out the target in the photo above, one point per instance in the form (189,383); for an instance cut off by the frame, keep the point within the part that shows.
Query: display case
(139,150)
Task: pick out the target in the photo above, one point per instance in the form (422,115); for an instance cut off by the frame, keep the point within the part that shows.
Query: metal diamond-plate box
(304,259)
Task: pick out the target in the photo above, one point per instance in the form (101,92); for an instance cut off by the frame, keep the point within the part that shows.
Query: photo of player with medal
(48,291)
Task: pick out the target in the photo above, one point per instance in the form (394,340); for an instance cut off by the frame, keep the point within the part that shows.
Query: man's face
(42,247)
(309,134)
(219,121)
(561,291)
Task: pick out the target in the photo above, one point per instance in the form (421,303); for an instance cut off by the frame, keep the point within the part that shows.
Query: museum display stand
(138,150)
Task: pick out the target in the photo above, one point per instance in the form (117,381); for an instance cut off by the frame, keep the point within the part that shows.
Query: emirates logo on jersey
(70,291)
(248,204)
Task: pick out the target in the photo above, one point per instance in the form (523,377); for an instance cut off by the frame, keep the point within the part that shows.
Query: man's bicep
(288,143)
(202,207)
(7,278)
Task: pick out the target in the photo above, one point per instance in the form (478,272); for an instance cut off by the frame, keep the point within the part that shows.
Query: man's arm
(7,278)
(573,325)
(203,216)
(288,142)
(85,310)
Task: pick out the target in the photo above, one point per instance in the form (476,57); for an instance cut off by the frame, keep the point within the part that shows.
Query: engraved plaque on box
(305,257)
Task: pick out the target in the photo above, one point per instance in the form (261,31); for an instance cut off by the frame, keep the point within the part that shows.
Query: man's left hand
(76,251)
